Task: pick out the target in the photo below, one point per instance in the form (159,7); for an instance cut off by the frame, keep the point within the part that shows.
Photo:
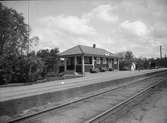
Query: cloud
(80,25)
(70,24)
(103,12)
(115,28)
(136,27)
(159,31)
(65,31)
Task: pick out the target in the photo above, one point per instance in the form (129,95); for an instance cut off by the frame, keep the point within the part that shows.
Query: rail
(102,117)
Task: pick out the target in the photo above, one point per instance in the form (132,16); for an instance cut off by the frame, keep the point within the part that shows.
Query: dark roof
(81,49)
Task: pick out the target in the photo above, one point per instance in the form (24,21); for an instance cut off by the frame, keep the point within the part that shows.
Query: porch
(84,63)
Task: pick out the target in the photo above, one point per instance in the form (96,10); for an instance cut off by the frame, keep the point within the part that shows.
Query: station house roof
(86,50)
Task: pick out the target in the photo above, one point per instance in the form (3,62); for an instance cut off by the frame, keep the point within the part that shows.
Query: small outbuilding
(82,59)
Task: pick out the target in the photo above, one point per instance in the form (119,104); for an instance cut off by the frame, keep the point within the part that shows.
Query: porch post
(118,64)
(111,63)
(93,62)
(83,65)
(75,63)
(65,64)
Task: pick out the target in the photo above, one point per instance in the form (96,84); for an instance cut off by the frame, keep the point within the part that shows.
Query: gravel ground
(84,110)
(151,110)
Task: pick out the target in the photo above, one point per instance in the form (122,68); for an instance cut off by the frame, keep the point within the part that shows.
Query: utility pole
(28,28)
(160,51)
(30,74)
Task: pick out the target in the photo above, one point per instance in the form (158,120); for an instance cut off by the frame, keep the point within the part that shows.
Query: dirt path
(151,110)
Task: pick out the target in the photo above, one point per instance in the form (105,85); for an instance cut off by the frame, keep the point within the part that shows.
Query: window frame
(88,60)
(98,60)
(104,61)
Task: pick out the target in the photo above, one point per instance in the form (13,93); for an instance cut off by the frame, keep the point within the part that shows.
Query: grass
(46,79)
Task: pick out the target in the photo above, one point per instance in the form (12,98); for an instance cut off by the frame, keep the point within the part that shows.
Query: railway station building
(83,58)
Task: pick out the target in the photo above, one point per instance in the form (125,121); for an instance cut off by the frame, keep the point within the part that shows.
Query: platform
(10,93)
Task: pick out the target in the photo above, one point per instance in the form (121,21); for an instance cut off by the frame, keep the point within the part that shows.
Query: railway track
(37,90)
(109,115)
(102,116)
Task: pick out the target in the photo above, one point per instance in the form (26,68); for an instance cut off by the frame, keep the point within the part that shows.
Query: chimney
(94,45)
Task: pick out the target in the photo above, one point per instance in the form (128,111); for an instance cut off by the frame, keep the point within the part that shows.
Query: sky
(115,25)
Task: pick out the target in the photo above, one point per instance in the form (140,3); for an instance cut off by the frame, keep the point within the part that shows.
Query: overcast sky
(115,25)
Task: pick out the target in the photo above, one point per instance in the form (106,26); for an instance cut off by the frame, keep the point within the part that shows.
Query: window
(79,60)
(88,60)
(97,60)
(69,61)
(104,61)
(115,61)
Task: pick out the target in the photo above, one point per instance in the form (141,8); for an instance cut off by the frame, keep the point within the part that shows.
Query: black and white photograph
(83,61)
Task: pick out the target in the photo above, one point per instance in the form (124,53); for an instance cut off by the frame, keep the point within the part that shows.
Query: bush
(5,69)
(20,69)
(95,70)
(125,65)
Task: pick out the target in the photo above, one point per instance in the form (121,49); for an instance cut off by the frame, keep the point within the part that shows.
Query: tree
(43,53)
(46,53)
(126,60)
(14,43)
(54,52)
(55,59)
(33,42)
(13,32)
(51,59)
(129,56)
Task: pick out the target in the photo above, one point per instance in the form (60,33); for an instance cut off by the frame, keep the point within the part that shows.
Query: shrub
(20,69)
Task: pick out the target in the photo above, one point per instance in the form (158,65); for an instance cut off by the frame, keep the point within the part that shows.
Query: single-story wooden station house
(82,59)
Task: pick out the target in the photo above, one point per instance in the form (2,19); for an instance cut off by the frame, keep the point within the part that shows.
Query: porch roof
(86,50)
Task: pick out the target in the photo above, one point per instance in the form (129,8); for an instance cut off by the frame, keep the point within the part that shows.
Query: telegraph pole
(160,51)
(28,29)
